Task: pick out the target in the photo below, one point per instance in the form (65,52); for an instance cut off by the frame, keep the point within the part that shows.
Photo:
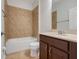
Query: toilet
(34,47)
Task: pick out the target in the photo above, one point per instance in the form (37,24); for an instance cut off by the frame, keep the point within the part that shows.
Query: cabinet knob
(50,51)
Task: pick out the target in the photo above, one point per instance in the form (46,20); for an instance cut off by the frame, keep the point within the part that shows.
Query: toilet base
(34,46)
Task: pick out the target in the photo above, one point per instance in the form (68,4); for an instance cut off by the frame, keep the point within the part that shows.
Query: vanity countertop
(67,37)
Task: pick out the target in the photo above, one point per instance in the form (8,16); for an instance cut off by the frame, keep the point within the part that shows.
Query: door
(43,50)
(58,54)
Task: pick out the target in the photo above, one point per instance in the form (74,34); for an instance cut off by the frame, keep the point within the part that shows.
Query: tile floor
(21,55)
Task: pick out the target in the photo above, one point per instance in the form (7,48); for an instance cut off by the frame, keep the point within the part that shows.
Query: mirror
(73,18)
(61,14)
(54,20)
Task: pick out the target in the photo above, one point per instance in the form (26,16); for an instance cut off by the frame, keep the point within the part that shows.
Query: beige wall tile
(18,22)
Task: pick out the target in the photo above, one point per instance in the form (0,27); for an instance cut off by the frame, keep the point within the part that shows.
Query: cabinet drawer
(60,44)
(46,39)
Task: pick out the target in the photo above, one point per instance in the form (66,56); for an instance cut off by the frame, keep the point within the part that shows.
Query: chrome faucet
(60,32)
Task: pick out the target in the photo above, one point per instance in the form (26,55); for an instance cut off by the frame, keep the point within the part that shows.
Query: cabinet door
(58,54)
(73,50)
(43,50)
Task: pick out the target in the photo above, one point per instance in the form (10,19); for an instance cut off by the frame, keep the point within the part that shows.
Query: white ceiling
(25,4)
(54,1)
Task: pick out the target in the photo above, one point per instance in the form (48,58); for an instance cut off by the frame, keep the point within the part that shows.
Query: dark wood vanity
(55,48)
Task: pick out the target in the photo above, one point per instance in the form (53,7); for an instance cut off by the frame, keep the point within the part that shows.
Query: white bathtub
(18,44)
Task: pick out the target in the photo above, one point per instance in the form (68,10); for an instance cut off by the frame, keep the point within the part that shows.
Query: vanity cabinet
(54,48)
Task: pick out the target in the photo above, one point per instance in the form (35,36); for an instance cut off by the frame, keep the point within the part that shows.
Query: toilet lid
(35,44)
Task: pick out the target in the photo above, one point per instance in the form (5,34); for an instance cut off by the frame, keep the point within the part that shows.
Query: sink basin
(69,35)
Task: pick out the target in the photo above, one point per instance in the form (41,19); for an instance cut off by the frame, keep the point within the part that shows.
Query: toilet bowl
(34,47)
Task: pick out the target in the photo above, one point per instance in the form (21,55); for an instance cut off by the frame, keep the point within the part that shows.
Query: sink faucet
(60,32)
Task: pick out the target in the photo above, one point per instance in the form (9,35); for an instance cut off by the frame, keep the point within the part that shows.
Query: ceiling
(26,4)
(54,1)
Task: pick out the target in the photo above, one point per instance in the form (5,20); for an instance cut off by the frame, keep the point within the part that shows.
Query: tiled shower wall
(35,21)
(21,22)
(18,22)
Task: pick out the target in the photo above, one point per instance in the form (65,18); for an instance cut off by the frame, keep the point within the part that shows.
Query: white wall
(25,4)
(2,4)
(2,16)
(73,18)
(35,3)
(45,8)
(62,8)
(2,30)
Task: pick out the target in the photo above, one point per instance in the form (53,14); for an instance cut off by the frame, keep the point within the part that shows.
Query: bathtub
(18,44)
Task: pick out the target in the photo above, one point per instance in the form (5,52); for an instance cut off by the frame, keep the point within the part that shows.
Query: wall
(3,3)
(62,8)
(45,17)
(2,15)
(5,17)
(35,4)
(35,21)
(19,23)
(73,18)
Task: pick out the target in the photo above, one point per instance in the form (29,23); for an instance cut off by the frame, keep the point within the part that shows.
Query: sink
(56,34)
(69,35)
(64,36)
